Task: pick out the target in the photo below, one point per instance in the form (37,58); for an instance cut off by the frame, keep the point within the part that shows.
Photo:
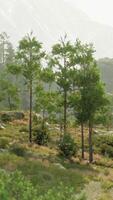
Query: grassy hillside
(46,170)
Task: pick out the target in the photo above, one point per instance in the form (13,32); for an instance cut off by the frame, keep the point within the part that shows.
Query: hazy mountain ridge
(50,19)
(106,69)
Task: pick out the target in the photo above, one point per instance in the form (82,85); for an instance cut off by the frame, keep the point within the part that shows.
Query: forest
(56,121)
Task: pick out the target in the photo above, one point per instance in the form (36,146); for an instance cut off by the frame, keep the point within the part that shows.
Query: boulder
(2,127)
(59,166)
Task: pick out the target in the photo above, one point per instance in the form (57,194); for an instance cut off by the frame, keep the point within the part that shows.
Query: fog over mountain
(49,19)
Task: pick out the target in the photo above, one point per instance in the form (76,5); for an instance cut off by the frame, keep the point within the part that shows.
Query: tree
(45,102)
(62,62)
(10,93)
(77,105)
(83,56)
(29,57)
(6,50)
(93,97)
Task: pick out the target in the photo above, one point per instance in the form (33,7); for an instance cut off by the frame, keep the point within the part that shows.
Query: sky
(98,10)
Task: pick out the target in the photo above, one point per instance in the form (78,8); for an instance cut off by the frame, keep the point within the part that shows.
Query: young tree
(93,97)
(77,104)
(83,57)
(10,94)
(62,62)
(29,57)
(6,50)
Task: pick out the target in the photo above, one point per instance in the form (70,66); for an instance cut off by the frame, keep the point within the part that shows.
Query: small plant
(4,142)
(67,146)
(15,186)
(106,172)
(23,129)
(5,117)
(18,149)
(41,136)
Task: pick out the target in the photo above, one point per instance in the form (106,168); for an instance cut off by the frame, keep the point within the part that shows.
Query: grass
(38,165)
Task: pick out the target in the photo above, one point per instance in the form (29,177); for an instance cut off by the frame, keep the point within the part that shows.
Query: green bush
(18,150)
(5,117)
(4,142)
(41,136)
(62,193)
(104,144)
(13,186)
(24,129)
(67,146)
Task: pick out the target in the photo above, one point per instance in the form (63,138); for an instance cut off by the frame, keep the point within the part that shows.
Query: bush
(18,115)
(4,142)
(18,150)
(104,144)
(109,151)
(24,129)
(61,192)
(13,186)
(41,136)
(67,146)
(5,117)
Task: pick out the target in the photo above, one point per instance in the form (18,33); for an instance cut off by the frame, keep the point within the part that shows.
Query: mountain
(49,19)
(106,69)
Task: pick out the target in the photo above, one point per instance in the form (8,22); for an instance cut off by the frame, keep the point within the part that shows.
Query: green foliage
(15,186)
(18,149)
(29,57)
(61,193)
(67,146)
(23,129)
(4,142)
(5,117)
(104,144)
(41,135)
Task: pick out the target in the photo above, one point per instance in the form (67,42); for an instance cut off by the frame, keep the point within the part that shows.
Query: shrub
(5,117)
(109,151)
(14,186)
(23,129)
(62,192)
(18,149)
(18,115)
(4,142)
(41,136)
(67,146)
(104,144)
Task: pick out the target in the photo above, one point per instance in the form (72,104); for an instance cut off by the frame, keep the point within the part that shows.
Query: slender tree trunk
(90,143)
(65,112)
(43,120)
(82,139)
(3,52)
(30,114)
(9,102)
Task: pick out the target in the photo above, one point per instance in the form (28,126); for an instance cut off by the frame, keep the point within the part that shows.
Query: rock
(2,127)
(59,166)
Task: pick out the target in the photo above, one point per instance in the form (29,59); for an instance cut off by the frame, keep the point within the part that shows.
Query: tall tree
(62,61)
(93,97)
(29,56)
(6,50)
(9,92)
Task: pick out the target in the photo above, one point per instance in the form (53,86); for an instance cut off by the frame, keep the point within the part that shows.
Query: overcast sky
(98,10)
